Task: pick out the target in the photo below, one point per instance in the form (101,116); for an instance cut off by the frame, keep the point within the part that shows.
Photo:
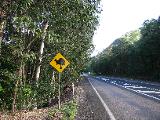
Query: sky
(121,16)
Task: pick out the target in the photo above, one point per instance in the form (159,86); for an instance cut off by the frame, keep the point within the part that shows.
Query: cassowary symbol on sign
(61,62)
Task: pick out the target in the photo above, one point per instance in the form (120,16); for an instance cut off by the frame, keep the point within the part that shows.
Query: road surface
(128,99)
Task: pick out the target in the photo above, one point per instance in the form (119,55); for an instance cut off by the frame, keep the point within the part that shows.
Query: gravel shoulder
(89,105)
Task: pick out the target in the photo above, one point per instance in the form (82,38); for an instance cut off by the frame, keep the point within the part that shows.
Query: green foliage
(1,89)
(135,54)
(71,27)
(68,111)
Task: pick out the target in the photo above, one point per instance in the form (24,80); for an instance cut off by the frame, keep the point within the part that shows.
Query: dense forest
(32,32)
(136,54)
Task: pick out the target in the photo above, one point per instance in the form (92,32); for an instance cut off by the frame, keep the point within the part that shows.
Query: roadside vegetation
(136,54)
(67,112)
(32,32)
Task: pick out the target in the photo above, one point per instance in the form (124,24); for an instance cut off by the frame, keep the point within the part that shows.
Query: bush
(67,112)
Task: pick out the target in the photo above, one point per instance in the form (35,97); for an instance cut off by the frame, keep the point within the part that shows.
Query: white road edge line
(103,103)
(143,94)
(155,92)
(134,87)
(139,92)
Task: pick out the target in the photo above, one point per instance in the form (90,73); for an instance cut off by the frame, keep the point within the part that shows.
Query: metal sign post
(59,92)
(59,63)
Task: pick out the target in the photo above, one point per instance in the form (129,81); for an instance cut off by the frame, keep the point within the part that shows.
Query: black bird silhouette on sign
(61,62)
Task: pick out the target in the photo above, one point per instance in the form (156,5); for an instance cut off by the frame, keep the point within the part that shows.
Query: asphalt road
(128,99)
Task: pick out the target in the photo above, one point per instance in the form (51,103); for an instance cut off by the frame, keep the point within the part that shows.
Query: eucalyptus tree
(34,31)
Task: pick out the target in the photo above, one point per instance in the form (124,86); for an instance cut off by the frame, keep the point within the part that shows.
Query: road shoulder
(89,105)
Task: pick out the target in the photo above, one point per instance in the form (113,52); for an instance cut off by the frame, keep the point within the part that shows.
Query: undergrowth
(67,112)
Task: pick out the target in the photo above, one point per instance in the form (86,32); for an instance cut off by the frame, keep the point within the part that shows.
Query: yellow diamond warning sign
(59,62)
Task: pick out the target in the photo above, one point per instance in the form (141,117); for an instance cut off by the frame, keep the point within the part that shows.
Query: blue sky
(121,16)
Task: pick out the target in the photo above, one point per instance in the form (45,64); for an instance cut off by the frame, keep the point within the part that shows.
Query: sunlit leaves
(71,27)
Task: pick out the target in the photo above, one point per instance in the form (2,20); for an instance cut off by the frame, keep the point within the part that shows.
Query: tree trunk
(1,33)
(40,58)
(41,53)
(73,90)
(15,97)
(16,88)
(53,81)
(54,87)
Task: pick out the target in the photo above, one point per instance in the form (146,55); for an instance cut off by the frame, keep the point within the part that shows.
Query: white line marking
(104,104)
(140,92)
(126,84)
(148,91)
(134,87)
(105,79)
(113,82)
(143,94)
